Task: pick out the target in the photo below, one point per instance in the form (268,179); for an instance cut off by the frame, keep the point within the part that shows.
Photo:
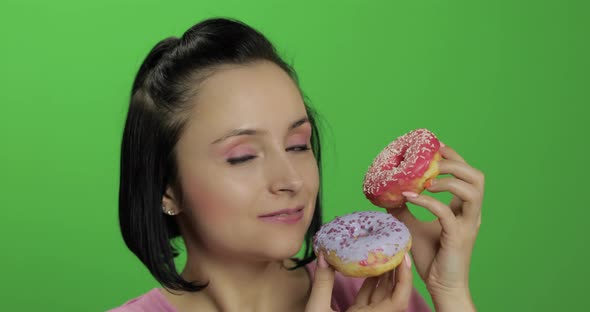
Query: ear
(170,204)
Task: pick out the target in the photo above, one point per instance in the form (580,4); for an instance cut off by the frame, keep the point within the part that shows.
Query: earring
(169,212)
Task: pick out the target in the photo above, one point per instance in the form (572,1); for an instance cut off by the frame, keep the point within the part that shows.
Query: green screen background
(503,82)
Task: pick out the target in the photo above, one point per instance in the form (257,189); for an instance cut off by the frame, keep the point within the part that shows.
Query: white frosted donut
(363,244)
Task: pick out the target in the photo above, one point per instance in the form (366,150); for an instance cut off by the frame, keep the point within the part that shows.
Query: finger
(462,171)
(449,153)
(403,283)
(320,298)
(399,296)
(363,297)
(384,287)
(445,215)
(468,193)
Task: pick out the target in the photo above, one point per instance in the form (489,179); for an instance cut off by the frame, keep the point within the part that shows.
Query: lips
(289,216)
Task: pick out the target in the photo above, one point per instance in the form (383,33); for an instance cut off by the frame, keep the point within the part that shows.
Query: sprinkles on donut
(409,163)
(370,243)
(363,244)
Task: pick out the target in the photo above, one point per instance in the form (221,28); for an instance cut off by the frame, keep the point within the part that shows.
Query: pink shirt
(343,296)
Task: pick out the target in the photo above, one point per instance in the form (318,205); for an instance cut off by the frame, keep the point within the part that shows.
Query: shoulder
(151,301)
(346,288)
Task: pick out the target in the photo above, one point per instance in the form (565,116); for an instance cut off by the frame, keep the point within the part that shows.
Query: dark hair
(158,111)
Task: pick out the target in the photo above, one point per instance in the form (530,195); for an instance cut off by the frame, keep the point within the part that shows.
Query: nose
(284,177)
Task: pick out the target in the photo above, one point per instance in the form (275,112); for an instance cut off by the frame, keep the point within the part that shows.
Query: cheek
(216,201)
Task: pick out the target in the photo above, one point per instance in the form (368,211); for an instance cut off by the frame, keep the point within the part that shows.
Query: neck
(236,284)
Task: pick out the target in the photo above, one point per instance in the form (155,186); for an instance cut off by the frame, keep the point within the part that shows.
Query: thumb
(320,298)
(403,282)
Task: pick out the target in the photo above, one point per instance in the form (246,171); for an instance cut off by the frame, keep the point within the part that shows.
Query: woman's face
(244,157)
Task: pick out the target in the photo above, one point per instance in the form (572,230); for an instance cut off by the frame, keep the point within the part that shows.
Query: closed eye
(241,159)
(245,158)
(298,148)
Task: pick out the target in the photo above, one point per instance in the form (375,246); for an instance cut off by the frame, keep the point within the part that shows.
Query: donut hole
(398,159)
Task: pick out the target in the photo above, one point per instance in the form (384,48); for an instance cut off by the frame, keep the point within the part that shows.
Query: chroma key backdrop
(504,83)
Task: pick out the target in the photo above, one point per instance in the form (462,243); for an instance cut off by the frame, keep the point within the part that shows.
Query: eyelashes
(298,148)
(237,160)
(245,158)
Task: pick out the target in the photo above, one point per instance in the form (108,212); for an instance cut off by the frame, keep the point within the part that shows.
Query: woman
(220,149)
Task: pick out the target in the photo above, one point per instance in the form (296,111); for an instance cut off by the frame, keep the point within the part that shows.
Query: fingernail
(408,261)
(441,144)
(410,194)
(321,261)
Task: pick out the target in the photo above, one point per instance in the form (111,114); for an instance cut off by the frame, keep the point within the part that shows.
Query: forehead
(254,95)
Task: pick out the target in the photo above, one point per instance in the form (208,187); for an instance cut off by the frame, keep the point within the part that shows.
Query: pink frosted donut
(363,244)
(409,163)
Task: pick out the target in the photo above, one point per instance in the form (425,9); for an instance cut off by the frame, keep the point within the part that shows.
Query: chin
(284,246)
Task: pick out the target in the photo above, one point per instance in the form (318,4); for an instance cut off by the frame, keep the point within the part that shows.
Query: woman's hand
(389,292)
(442,248)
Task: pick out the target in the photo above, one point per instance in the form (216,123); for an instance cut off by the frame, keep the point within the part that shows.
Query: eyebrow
(238,132)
